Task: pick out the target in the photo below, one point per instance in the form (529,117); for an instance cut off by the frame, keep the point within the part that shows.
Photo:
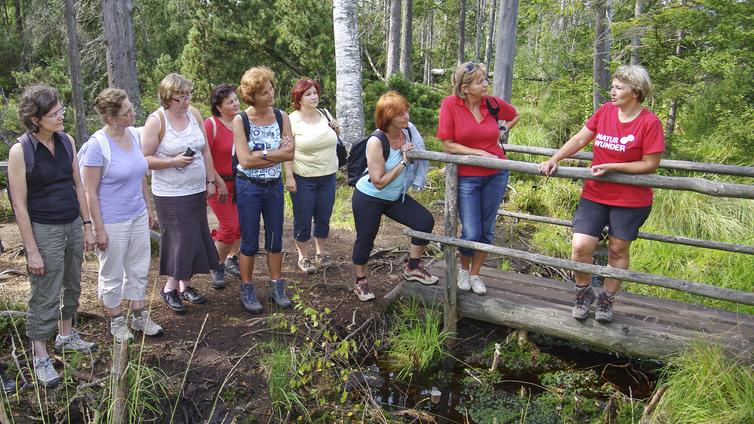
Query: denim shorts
(314,199)
(255,201)
(479,199)
(591,217)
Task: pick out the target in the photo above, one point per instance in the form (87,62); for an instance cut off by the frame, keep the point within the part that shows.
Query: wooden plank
(605,271)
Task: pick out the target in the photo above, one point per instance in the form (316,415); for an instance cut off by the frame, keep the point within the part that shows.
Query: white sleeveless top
(172,182)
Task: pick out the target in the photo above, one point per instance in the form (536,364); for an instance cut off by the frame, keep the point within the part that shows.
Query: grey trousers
(55,295)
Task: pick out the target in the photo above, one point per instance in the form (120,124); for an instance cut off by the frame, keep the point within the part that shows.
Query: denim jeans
(478,201)
(314,198)
(255,200)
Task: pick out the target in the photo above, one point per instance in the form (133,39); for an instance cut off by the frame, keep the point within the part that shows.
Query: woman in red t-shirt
(627,138)
(227,236)
(467,127)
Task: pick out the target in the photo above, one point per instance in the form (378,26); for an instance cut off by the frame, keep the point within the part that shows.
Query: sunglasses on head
(469,66)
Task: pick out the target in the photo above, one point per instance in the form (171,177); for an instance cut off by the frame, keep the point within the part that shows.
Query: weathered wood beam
(719,245)
(713,168)
(699,185)
(691,287)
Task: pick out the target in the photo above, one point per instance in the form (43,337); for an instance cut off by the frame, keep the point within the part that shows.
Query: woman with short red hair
(310,176)
(382,191)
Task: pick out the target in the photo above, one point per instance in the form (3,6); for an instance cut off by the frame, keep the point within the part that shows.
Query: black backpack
(494,111)
(246,130)
(357,157)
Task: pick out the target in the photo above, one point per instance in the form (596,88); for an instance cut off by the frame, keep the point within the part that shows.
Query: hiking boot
(218,277)
(477,286)
(232,267)
(419,274)
(249,299)
(463,280)
(73,343)
(584,298)
(45,373)
(7,385)
(173,300)
(276,290)
(192,295)
(306,265)
(323,261)
(119,330)
(361,288)
(604,312)
(144,323)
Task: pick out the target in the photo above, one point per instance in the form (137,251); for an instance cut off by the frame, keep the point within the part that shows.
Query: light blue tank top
(391,191)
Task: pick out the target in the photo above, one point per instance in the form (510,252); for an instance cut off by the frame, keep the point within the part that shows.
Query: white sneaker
(73,343)
(463,280)
(145,324)
(44,371)
(477,285)
(119,330)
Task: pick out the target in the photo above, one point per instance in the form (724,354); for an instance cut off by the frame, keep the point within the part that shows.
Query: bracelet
(404,163)
(86,222)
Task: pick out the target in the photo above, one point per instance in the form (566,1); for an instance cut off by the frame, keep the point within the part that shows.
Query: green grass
(277,363)
(706,386)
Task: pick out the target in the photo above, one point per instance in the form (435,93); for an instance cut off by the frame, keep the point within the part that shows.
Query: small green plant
(416,338)
(706,385)
(278,362)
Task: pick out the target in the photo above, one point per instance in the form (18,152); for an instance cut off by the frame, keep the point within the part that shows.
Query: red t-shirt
(221,146)
(618,142)
(458,124)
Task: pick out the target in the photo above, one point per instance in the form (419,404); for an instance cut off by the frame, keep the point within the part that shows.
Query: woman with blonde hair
(263,141)
(175,146)
(114,175)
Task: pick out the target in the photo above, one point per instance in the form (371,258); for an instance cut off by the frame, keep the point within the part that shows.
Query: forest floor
(229,331)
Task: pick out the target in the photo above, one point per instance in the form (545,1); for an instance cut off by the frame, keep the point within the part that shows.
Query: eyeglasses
(130,111)
(57,114)
(186,98)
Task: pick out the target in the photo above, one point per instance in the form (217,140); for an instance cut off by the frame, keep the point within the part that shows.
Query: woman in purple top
(114,176)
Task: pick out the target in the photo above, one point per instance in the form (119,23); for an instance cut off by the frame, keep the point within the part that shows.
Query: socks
(136,313)
(413,263)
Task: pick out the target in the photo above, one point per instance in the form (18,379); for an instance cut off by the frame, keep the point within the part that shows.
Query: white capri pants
(124,265)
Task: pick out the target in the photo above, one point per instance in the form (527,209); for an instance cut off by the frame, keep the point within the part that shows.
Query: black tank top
(51,193)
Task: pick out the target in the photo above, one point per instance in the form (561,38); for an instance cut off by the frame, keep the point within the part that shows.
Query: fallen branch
(650,408)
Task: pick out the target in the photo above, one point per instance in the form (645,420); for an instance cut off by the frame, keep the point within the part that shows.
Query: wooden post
(450,298)
(119,383)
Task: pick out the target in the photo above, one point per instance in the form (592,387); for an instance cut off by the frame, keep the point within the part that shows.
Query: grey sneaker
(73,343)
(584,299)
(276,290)
(463,280)
(119,330)
(249,299)
(306,265)
(604,312)
(218,277)
(323,261)
(145,324)
(232,267)
(45,373)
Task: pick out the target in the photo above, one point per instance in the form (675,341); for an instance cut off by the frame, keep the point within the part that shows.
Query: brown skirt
(186,246)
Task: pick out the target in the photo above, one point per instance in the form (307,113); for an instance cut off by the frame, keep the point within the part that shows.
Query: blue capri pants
(479,199)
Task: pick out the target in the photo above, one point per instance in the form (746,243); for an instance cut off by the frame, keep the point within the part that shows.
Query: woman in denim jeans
(467,127)
(259,189)
(310,177)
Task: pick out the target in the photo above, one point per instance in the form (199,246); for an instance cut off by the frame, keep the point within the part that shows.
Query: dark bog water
(467,389)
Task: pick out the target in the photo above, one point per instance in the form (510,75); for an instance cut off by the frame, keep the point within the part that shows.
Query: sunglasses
(469,66)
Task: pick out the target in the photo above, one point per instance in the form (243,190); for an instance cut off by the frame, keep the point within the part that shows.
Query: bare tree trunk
(407,38)
(602,37)
(636,36)
(462,33)
(19,21)
(675,102)
(427,49)
(480,9)
(348,104)
(505,52)
(75,68)
(490,33)
(393,39)
(121,53)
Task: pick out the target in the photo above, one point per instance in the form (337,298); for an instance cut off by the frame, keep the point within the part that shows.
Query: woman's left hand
(222,192)
(88,238)
(600,170)
(335,125)
(405,149)
(211,189)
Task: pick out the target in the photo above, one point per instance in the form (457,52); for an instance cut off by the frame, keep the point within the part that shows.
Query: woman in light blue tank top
(381,192)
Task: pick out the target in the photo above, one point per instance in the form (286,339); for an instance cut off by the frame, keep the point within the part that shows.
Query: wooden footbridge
(644,327)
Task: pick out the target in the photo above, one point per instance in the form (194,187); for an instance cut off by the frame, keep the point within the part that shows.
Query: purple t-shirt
(120,194)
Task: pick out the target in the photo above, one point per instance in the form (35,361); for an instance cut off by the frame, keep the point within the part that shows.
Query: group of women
(66,202)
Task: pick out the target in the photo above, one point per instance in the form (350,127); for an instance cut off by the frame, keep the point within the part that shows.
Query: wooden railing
(450,241)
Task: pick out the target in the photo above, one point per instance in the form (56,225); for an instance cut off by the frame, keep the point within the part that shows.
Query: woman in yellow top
(310,176)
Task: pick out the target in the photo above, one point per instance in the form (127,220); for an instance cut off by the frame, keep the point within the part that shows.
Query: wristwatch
(264,154)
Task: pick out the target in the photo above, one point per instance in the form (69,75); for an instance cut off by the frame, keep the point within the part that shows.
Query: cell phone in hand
(189,152)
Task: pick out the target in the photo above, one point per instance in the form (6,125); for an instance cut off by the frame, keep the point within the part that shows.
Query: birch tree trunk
(120,49)
(490,33)
(75,68)
(348,104)
(19,21)
(481,4)
(603,13)
(393,39)
(505,52)
(427,48)
(462,33)
(407,38)
(636,36)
